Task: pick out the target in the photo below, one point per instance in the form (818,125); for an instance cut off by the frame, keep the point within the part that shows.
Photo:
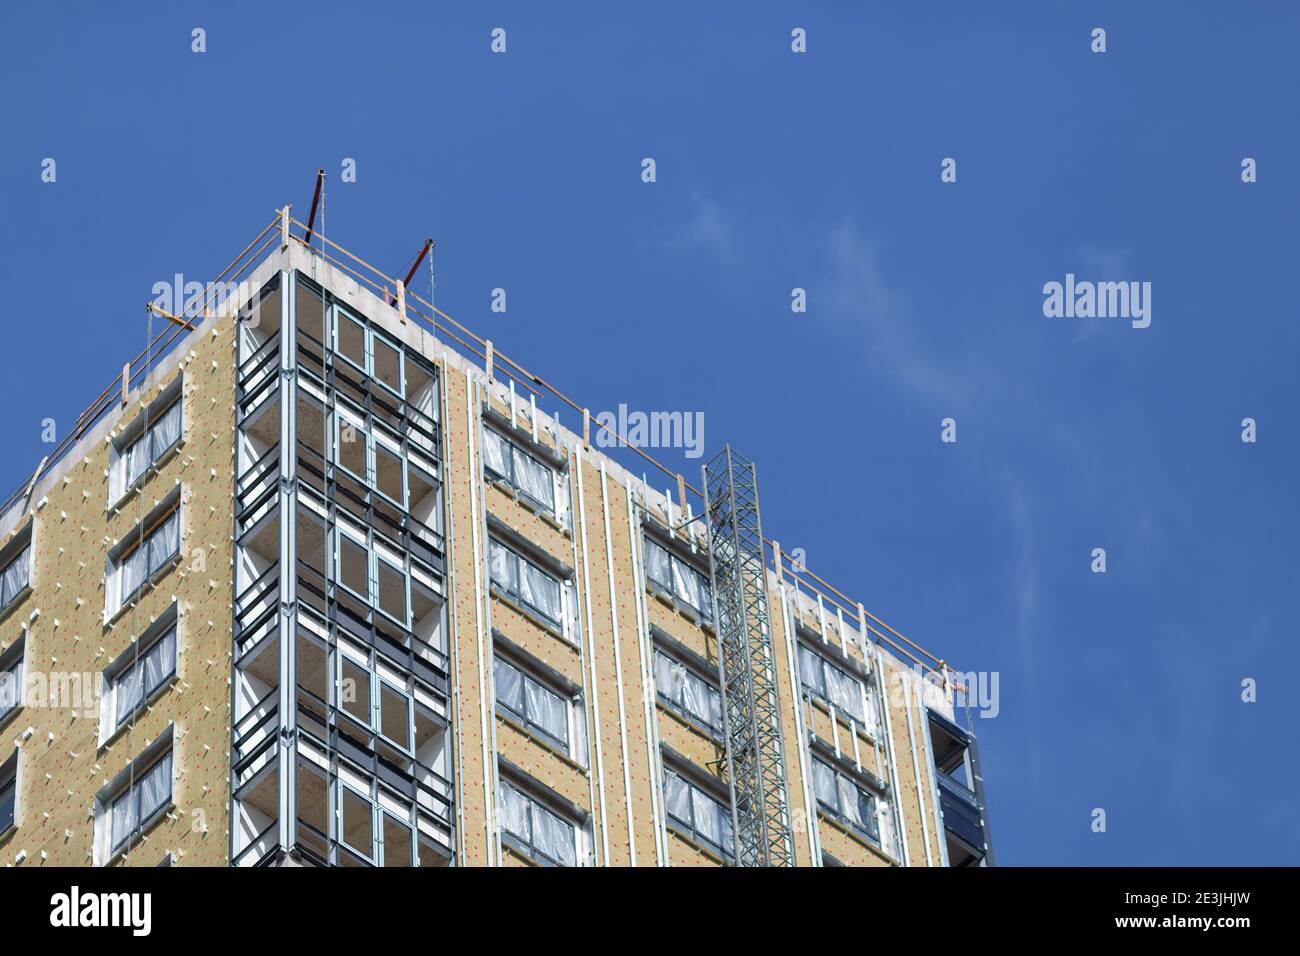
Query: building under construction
(322,578)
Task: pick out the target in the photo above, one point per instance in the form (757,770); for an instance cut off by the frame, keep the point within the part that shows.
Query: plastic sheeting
(11,687)
(547,710)
(536,827)
(844,799)
(831,684)
(165,542)
(136,458)
(501,567)
(534,479)
(524,472)
(539,591)
(149,794)
(543,708)
(16,576)
(513,808)
(145,676)
(160,663)
(161,546)
(128,691)
(156,788)
(678,577)
(166,433)
(688,691)
(701,814)
(531,585)
(496,454)
(844,692)
(135,568)
(657,565)
(554,837)
(510,686)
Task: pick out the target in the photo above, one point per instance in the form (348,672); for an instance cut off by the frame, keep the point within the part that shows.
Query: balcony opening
(956,773)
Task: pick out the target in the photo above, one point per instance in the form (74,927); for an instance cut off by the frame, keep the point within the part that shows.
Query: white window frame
(872,833)
(22,551)
(670,586)
(13,673)
(376,549)
(372,436)
(676,706)
(131,776)
(119,451)
(529,848)
(688,827)
(115,601)
(344,788)
(564,625)
(575,748)
(385,815)
(864,702)
(12,767)
(111,677)
(513,448)
(368,336)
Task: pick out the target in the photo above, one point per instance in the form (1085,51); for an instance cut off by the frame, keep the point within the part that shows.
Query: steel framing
(760,805)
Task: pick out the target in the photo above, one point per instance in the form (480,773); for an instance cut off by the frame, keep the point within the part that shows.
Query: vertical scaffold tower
(760,806)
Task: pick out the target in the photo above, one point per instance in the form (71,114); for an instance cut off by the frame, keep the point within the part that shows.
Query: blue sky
(775,170)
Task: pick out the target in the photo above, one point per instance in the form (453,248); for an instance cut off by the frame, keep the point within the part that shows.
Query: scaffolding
(760,806)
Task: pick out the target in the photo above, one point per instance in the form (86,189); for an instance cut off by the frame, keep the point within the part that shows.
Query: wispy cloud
(859,302)
(710,232)
(1097,264)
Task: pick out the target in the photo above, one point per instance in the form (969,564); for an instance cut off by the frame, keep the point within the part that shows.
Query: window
(535,831)
(369,352)
(374,569)
(370,453)
(525,582)
(15,577)
(144,556)
(831,684)
(528,476)
(844,800)
(132,460)
(138,674)
(701,816)
(541,709)
(9,792)
(688,692)
(142,799)
(678,578)
(11,678)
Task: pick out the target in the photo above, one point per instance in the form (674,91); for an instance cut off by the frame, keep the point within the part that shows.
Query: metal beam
(760,804)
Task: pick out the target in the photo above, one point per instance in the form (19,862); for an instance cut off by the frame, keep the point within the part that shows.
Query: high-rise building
(321,579)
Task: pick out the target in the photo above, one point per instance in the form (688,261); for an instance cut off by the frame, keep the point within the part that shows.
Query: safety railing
(400,645)
(253,738)
(138,369)
(256,611)
(464,340)
(403,531)
(262,849)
